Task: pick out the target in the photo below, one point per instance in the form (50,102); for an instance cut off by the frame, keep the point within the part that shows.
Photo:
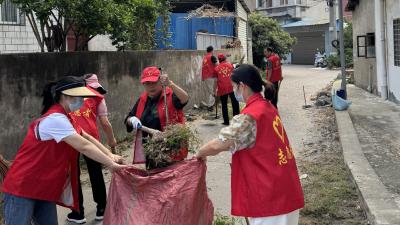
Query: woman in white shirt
(44,172)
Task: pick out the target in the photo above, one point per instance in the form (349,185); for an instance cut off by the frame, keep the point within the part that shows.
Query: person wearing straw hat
(150,110)
(265,184)
(86,117)
(45,171)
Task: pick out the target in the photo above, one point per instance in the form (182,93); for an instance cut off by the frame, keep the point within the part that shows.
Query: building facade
(376,41)
(312,22)
(186,32)
(16,35)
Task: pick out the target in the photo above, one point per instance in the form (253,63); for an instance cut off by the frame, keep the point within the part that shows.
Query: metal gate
(306,47)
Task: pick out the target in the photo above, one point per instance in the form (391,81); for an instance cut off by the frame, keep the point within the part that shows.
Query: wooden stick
(165,100)
(150,130)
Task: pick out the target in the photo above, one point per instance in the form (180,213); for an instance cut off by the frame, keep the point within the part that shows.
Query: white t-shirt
(55,126)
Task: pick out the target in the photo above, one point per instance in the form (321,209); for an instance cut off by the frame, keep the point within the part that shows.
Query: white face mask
(238,96)
(76,105)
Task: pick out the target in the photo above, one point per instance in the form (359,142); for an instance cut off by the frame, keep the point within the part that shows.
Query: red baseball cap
(221,56)
(150,74)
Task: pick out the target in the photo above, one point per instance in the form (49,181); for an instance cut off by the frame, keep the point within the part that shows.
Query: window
(260,3)
(9,13)
(396,39)
(361,46)
(366,45)
(370,45)
(284,2)
(269,3)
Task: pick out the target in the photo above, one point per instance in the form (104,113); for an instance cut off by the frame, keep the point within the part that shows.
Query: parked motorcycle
(320,60)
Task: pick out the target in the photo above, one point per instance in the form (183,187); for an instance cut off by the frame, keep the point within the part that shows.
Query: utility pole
(342,55)
(332,25)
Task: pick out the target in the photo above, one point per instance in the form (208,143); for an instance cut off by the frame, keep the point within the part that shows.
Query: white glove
(135,122)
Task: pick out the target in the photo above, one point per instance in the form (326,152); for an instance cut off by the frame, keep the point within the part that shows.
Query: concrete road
(295,119)
(293,116)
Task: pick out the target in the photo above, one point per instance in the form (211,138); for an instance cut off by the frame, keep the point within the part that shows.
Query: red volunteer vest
(208,68)
(264,179)
(276,68)
(174,115)
(41,168)
(86,116)
(224,84)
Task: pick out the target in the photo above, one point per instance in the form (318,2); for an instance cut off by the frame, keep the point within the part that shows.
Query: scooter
(320,60)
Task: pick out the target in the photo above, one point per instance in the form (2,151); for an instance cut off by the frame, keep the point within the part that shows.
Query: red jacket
(208,68)
(174,115)
(41,168)
(276,68)
(264,178)
(86,116)
(224,84)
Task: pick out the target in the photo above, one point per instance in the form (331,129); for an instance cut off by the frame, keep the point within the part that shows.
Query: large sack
(176,195)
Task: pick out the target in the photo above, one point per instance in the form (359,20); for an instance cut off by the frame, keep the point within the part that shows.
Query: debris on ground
(322,98)
(304,176)
(330,195)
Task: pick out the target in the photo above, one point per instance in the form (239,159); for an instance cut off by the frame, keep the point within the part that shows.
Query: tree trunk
(35,30)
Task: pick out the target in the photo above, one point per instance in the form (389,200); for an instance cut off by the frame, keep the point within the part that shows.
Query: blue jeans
(21,211)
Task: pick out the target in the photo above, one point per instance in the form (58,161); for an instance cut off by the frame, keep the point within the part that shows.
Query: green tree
(46,24)
(164,11)
(88,18)
(133,24)
(266,32)
(334,60)
(130,23)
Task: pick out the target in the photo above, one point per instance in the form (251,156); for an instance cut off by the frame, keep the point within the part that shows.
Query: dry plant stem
(163,146)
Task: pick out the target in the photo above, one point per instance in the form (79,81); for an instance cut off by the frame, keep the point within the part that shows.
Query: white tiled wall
(17,39)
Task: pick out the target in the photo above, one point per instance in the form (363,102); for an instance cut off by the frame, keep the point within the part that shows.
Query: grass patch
(223,220)
(330,195)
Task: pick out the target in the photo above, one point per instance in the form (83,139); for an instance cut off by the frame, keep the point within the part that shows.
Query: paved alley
(296,120)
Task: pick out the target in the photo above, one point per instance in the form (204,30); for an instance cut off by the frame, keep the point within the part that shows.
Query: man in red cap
(224,87)
(149,109)
(93,109)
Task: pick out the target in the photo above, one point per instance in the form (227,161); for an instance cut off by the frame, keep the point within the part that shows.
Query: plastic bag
(339,103)
(176,195)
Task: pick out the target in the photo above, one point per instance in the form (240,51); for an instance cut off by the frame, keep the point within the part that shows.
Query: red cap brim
(149,79)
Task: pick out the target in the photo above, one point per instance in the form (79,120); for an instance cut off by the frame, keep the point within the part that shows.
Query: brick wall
(17,39)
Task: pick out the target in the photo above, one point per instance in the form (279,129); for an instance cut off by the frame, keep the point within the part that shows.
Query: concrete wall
(318,11)
(23,76)
(364,68)
(393,12)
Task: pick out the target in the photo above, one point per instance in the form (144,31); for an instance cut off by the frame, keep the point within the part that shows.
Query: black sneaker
(76,218)
(99,214)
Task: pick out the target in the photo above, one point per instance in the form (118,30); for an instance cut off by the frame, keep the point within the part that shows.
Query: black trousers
(275,99)
(97,183)
(224,104)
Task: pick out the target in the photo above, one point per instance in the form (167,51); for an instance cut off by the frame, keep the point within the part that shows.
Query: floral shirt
(242,131)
